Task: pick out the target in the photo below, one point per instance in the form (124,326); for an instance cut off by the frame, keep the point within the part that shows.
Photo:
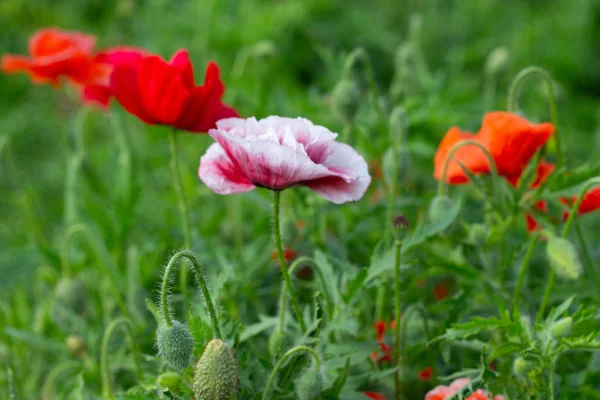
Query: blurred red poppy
(385,351)
(374,396)
(441,290)
(288,254)
(426,374)
(590,202)
(161,92)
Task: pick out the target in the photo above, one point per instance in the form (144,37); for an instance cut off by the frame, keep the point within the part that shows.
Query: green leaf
(424,231)
(265,323)
(334,391)
(507,348)
(330,278)
(586,342)
(355,285)
(558,311)
(473,327)
(565,181)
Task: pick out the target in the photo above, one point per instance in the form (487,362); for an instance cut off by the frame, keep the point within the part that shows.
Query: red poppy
(441,290)
(590,202)
(374,396)
(160,92)
(288,254)
(55,54)
(510,140)
(385,351)
(445,392)
(426,374)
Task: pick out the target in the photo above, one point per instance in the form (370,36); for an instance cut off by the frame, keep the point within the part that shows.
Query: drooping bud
(497,61)
(71,294)
(563,258)
(278,343)
(170,380)
(561,328)
(440,205)
(216,373)
(175,345)
(76,345)
(521,367)
(345,99)
(309,385)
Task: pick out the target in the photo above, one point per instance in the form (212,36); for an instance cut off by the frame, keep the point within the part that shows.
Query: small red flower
(160,92)
(288,254)
(590,203)
(426,374)
(374,396)
(56,54)
(385,351)
(441,290)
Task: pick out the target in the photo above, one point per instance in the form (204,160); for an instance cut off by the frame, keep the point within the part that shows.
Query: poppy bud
(216,373)
(76,345)
(345,97)
(264,49)
(561,328)
(479,233)
(71,294)
(439,207)
(278,343)
(497,61)
(169,380)
(309,385)
(521,367)
(175,345)
(563,258)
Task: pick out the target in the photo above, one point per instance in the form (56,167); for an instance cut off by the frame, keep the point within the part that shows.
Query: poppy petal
(220,174)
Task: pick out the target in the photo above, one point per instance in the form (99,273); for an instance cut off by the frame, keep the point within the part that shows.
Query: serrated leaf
(473,327)
(265,323)
(336,388)
(424,230)
(558,311)
(329,277)
(355,285)
(506,349)
(586,342)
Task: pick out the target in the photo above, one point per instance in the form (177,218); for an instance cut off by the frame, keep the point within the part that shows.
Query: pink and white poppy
(277,153)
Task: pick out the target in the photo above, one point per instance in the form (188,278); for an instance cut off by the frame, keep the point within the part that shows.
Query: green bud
(561,328)
(216,373)
(76,345)
(563,258)
(439,206)
(71,294)
(345,99)
(264,49)
(521,367)
(309,385)
(170,380)
(278,343)
(497,61)
(175,345)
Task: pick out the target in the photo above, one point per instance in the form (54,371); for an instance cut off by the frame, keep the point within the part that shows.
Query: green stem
(104,368)
(48,387)
(282,360)
(282,263)
(586,254)
(551,379)
(514,93)
(574,211)
(183,210)
(74,167)
(360,54)
(398,317)
(442,182)
(523,273)
(164,293)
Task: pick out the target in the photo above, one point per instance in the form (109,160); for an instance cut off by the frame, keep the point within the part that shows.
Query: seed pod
(170,380)
(278,343)
(521,367)
(309,385)
(71,294)
(345,99)
(216,373)
(76,345)
(563,258)
(175,345)
(439,206)
(561,328)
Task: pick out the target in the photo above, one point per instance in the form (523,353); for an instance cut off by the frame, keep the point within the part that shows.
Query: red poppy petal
(97,94)
(181,60)
(124,85)
(374,396)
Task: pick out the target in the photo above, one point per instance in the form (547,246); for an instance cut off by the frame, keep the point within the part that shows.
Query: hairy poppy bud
(497,61)
(216,373)
(278,343)
(309,385)
(76,344)
(71,294)
(563,258)
(169,380)
(521,367)
(175,345)
(345,98)
(439,207)
(561,328)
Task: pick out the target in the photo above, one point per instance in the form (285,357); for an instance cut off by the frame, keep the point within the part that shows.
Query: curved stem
(48,387)
(183,210)
(282,360)
(514,93)
(494,170)
(104,369)
(398,316)
(164,292)
(523,272)
(284,269)
(574,211)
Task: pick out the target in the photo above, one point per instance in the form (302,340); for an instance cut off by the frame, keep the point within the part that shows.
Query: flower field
(261,200)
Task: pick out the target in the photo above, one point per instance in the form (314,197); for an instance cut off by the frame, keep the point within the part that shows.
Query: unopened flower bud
(71,294)
(76,345)
(170,380)
(345,99)
(521,367)
(561,328)
(497,61)
(278,343)
(440,205)
(309,385)
(175,345)
(216,373)
(563,258)
(264,49)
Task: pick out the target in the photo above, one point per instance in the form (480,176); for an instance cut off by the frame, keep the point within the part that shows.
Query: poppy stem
(284,270)
(198,269)
(398,319)
(442,182)
(282,360)
(104,368)
(574,211)
(513,95)
(48,387)
(183,210)
(523,272)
